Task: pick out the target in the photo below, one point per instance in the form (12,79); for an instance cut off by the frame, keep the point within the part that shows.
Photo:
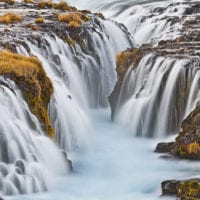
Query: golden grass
(28,74)
(10,18)
(73,19)
(62,5)
(8,1)
(28,1)
(39,20)
(44,4)
(128,58)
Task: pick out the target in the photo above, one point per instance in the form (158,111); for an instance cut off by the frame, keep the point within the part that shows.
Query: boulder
(164,147)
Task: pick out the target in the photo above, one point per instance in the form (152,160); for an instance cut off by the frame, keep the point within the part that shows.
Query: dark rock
(184,189)
(20,167)
(169,187)
(69,96)
(164,147)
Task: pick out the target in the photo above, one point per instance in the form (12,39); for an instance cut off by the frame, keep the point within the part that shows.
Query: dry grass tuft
(62,6)
(73,19)
(45,4)
(10,18)
(39,20)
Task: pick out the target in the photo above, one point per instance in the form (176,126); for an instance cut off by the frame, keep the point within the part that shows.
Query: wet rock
(20,166)
(164,147)
(183,189)
(170,187)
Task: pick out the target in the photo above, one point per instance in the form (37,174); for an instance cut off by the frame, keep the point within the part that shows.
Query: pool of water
(115,166)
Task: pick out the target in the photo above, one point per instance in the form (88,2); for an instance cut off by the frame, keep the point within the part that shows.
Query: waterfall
(147,20)
(26,163)
(155,96)
(83,75)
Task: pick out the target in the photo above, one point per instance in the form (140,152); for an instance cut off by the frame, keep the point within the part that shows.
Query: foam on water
(116,166)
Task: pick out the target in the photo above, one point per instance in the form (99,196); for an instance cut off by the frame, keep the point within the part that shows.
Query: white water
(26,164)
(141,17)
(116,166)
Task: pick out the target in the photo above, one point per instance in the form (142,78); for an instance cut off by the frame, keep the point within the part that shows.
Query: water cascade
(26,164)
(148,21)
(155,95)
(83,75)
(160,86)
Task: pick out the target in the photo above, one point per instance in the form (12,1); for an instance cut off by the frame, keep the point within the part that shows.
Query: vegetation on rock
(62,6)
(183,189)
(28,74)
(125,59)
(45,4)
(39,20)
(9,18)
(74,20)
(8,1)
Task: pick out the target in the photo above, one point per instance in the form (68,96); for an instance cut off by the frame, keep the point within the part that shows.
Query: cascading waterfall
(154,98)
(80,79)
(68,103)
(147,20)
(26,164)
(158,85)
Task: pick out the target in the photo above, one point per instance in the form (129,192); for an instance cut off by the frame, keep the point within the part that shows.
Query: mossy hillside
(28,74)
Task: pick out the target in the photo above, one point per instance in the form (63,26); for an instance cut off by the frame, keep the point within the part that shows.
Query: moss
(10,18)
(70,41)
(189,190)
(126,59)
(28,74)
(39,20)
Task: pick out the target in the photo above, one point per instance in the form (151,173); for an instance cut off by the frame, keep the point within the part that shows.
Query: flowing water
(109,162)
(115,165)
